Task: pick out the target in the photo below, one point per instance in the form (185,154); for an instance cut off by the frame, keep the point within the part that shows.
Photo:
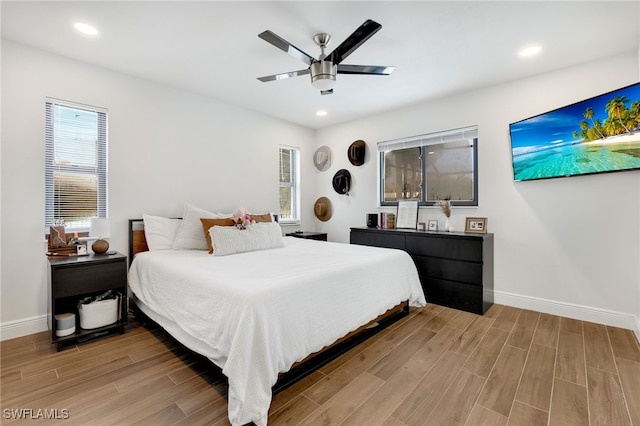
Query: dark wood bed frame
(138,243)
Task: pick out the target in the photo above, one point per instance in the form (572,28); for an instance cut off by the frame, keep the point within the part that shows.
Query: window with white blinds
(289,187)
(431,167)
(75,164)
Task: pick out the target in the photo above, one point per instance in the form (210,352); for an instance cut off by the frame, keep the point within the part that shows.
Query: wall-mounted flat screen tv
(597,135)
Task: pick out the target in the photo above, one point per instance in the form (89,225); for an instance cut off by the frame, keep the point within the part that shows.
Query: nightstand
(309,235)
(73,278)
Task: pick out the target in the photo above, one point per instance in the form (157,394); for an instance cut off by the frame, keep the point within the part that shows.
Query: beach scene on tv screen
(600,134)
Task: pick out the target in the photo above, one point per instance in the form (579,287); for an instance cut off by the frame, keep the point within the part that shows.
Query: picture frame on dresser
(476,225)
(407,217)
(433,225)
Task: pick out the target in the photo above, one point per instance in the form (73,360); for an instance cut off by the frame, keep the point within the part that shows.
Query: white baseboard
(570,310)
(23,327)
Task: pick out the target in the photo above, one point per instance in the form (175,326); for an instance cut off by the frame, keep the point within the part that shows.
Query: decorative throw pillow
(160,232)
(190,236)
(208,223)
(260,236)
(262,217)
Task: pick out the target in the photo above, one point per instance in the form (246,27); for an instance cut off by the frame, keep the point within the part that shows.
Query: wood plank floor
(438,366)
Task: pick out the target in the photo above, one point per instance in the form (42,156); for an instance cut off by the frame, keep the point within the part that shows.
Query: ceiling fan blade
(283,75)
(326,92)
(355,40)
(285,46)
(365,69)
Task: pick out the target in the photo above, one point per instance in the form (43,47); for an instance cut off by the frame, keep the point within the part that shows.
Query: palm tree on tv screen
(616,108)
(588,114)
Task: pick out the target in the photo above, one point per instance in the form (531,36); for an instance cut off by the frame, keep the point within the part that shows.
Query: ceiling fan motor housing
(323,74)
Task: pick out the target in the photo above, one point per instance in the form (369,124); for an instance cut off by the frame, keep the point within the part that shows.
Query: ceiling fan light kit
(323,70)
(323,75)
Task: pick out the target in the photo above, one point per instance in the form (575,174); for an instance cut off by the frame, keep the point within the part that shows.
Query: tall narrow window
(289,186)
(429,168)
(75,164)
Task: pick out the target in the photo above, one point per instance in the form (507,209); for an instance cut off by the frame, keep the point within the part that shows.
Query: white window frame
(100,170)
(295,184)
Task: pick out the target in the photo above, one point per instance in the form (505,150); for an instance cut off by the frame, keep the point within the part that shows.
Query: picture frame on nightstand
(57,236)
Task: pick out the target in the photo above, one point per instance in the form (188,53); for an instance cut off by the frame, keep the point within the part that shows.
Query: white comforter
(257,313)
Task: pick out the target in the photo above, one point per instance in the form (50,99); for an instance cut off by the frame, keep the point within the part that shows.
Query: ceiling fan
(324,69)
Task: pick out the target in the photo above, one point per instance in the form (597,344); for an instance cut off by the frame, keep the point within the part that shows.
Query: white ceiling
(438,47)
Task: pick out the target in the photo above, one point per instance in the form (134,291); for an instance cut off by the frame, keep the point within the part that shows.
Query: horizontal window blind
(75,164)
(289,188)
(286,169)
(429,139)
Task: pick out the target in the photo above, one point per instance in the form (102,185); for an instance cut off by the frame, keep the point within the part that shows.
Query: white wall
(568,246)
(166,147)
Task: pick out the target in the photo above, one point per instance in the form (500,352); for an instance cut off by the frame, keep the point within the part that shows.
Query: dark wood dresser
(455,268)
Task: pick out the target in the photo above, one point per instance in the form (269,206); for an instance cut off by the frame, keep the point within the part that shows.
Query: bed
(265,316)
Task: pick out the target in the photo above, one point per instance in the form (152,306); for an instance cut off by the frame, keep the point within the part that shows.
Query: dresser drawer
(469,249)
(378,239)
(451,270)
(455,295)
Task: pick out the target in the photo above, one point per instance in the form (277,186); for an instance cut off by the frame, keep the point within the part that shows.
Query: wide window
(429,168)
(75,164)
(289,185)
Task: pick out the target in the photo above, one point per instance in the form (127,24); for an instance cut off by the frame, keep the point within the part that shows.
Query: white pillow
(160,232)
(260,236)
(190,235)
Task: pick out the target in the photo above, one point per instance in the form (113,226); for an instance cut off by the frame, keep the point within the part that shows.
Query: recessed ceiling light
(321,113)
(85,28)
(530,51)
